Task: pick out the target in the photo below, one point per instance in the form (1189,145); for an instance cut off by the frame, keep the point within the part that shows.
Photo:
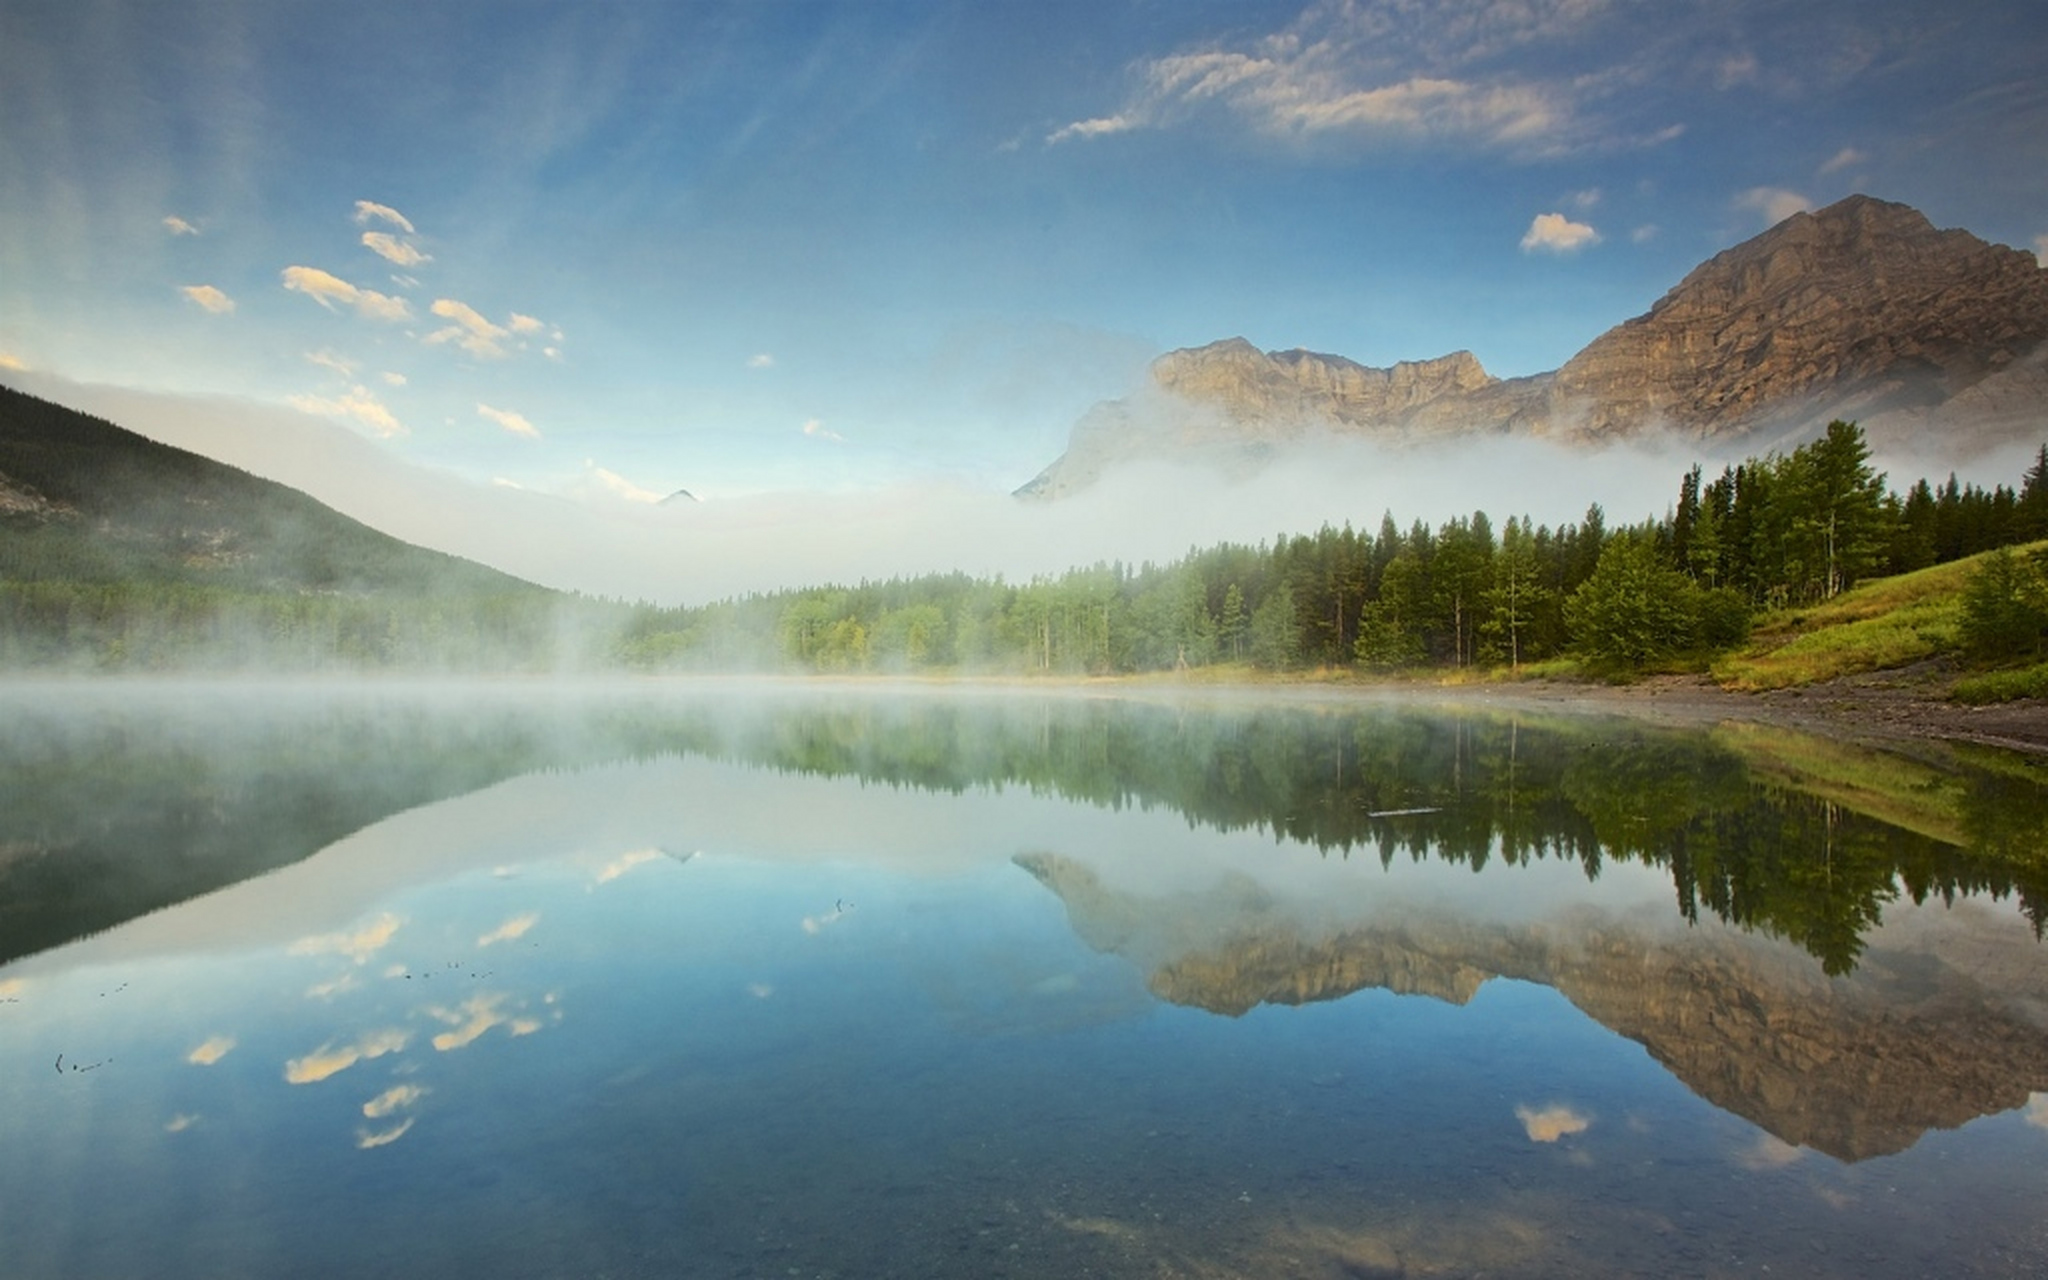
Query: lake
(704,979)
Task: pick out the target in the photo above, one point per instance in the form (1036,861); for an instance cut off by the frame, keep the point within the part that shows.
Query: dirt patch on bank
(1908,704)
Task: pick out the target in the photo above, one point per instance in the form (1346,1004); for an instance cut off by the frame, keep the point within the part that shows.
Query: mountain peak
(1861,310)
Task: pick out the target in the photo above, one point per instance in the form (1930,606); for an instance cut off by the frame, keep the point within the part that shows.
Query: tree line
(1781,530)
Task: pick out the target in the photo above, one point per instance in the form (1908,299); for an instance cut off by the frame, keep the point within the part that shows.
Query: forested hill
(119,554)
(85,501)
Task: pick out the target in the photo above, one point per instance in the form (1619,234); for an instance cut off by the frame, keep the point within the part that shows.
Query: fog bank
(691,553)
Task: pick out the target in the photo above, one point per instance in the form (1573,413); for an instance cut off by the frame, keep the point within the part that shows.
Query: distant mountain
(84,500)
(1862,310)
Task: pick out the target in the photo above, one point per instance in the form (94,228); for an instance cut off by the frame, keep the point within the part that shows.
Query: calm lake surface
(709,980)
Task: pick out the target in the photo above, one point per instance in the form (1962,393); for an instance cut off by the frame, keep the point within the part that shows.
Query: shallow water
(706,981)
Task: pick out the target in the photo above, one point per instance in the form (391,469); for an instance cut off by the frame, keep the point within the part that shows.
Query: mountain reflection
(1938,1030)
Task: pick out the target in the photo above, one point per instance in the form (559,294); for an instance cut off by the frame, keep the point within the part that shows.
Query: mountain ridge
(1860,310)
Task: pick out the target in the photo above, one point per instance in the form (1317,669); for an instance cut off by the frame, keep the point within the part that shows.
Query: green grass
(2002,686)
(1892,622)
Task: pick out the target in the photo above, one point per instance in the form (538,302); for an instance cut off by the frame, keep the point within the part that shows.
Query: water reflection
(858,985)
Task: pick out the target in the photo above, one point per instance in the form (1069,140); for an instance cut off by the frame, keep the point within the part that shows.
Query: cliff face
(1854,1067)
(1860,304)
(1862,310)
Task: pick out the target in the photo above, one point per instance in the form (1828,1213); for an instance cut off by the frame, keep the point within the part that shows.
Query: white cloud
(357,404)
(1775,203)
(329,360)
(1587,199)
(327,290)
(177,226)
(179,1123)
(1387,69)
(405,282)
(392,379)
(1843,159)
(1555,233)
(512,422)
(815,429)
(761,360)
(1643,234)
(369,210)
(209,298)
(8,360)
(392,249)
(524,324)
(471,331)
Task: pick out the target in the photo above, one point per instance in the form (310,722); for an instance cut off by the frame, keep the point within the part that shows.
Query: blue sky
(624,248)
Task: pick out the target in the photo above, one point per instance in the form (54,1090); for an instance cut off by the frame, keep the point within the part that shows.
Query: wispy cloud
(2040,256)
(389,247)
(816,429)
(328,290)
(330,361)
(524,324)
(331,1059)
(1775,203)
(368,211)
(357,404)
(213,1050)
(471,330)
(1847,157)
(1555,233)
(177,226)
(1374,69)
(761,360)
(209,298)
(391,379)
(512,422)
(618,486)
(8,360)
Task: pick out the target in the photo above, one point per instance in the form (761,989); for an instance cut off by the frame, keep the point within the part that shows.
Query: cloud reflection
(366,1141)
(1768,1152)
(330,1060)
(215,1048)
(1552,1122)
(516,927)
(626,862)
(477,1015)
(358,946)
(396,1098)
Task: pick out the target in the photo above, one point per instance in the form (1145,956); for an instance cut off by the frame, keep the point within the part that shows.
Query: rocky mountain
(1862,310)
